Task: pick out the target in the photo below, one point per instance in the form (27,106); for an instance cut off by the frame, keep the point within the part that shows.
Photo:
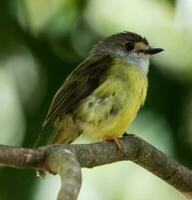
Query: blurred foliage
(41,41)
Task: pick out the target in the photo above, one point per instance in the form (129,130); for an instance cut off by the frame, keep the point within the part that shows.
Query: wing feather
(83,80)
(79,84)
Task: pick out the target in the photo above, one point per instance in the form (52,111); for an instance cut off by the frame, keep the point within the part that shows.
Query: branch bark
(66,160)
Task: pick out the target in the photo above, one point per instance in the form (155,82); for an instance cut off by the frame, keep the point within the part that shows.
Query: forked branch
(66,160)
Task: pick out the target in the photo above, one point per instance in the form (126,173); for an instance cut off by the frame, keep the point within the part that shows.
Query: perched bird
(102,96)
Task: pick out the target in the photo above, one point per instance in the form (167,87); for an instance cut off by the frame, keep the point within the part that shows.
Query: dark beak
(152,51)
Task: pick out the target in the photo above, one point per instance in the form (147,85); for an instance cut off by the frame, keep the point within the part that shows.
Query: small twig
(56,158)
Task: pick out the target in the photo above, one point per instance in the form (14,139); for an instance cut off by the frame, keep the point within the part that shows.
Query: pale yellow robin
(102,96)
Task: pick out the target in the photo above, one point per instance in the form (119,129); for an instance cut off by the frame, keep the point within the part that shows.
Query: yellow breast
(135,94)
(115,103)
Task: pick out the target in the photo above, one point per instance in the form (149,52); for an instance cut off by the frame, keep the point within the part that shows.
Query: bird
(103,94)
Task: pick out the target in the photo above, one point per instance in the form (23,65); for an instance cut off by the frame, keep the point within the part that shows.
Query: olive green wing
(79,84)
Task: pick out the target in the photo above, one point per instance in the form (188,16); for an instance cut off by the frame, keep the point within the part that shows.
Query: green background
(41,41)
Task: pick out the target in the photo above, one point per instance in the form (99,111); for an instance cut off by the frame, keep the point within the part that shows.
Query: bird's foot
(117,141)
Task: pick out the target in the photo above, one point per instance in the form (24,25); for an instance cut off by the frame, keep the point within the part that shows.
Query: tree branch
(64,163)
(66,160)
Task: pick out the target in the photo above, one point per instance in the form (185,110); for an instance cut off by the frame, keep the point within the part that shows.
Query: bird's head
(129,46)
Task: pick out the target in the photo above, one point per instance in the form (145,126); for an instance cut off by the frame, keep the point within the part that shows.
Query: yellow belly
(115,103)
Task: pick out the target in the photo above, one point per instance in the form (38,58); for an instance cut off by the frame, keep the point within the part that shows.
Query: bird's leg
(117,141)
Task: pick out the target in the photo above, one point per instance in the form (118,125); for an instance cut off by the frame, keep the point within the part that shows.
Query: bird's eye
(129,46)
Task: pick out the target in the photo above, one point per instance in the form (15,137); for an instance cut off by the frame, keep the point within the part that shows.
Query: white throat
(138,60)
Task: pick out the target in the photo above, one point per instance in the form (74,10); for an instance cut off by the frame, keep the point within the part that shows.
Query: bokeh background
(41,41)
